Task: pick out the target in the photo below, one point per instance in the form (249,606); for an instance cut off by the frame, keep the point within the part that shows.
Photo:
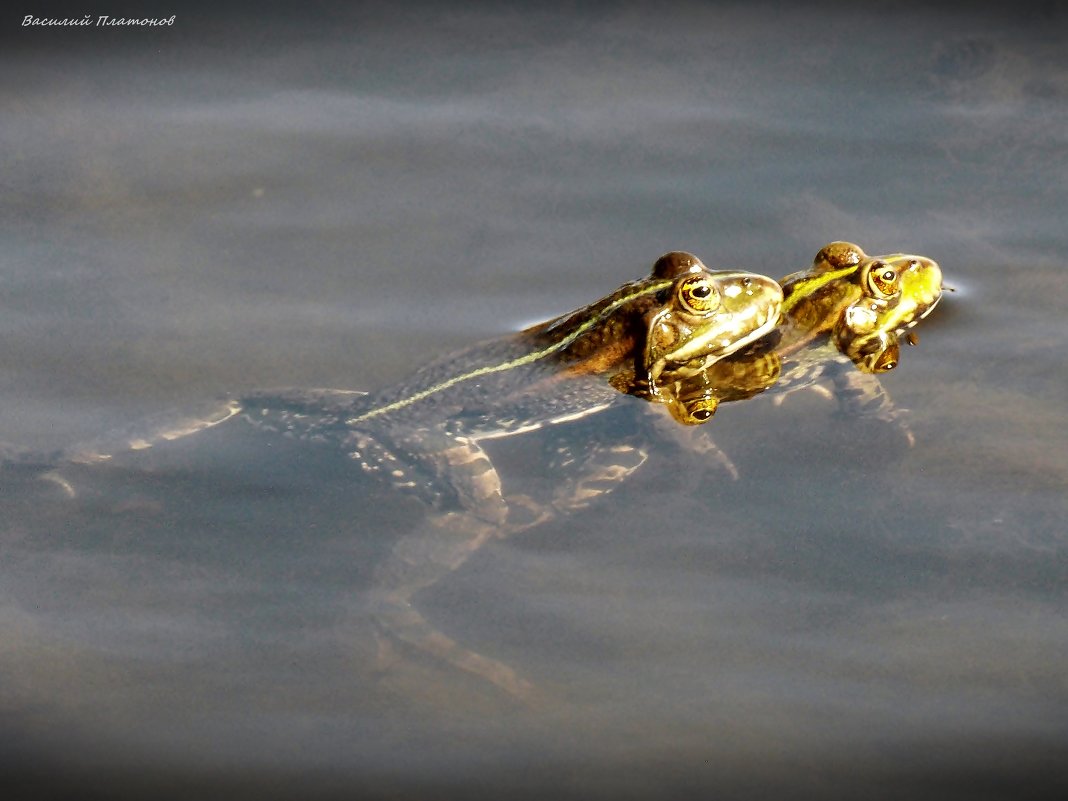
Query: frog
(646,334)
(846,309)
(868,333)
(598,367)
(427,435)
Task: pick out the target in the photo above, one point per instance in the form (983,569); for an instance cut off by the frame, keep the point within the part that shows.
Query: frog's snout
(755,303)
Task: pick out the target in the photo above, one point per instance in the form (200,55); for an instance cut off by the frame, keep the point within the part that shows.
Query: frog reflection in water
(428,435)
(847,308)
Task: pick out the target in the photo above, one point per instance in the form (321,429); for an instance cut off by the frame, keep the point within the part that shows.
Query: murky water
(331,199)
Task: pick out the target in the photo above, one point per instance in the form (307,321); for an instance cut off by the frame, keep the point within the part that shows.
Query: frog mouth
(930,308)
(762,317)
(908,313)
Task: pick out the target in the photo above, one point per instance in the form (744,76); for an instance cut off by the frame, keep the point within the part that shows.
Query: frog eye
(697,411)
(883,279)
(697,295)
(702,413)
(886,359)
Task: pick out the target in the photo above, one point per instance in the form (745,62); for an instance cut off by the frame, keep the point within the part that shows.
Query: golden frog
(429,435)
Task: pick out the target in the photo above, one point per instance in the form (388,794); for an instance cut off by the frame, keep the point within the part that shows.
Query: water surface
(333,198)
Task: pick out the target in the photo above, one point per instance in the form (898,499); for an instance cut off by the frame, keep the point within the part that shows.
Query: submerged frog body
(423,434)
(428,435)
(685,338)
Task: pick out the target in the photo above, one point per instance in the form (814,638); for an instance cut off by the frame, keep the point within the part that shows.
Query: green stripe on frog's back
(582,323)
(800,289)
(813,304)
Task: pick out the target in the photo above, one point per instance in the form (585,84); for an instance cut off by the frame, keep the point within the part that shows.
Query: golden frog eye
(695,411)
(883,279)
(886,360)
(697,295)
(871,354)
(703,410)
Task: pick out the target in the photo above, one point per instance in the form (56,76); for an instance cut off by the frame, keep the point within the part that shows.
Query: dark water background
(330,197)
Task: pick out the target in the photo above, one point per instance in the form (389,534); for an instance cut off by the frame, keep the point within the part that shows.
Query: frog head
(702,315)
(841,275)
(848,294)
(869,328)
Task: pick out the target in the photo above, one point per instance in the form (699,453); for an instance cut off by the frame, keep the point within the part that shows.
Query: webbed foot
(419,561)
(399,626)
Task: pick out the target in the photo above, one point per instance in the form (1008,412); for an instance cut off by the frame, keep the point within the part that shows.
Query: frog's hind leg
(442,544)
(58,467)
(420,561)
(862,395)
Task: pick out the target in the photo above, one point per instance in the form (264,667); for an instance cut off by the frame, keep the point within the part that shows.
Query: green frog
(423,435)
(846,308)
(867,332)
(431,435)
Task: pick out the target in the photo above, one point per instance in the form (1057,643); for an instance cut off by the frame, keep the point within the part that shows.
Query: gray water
(331,198)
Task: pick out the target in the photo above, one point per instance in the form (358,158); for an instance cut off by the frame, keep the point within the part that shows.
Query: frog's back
(491,389)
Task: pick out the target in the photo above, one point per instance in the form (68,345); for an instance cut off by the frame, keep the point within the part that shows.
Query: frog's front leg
(589,467)
(693,440)
(439,546)
(590,470)
(862,395)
